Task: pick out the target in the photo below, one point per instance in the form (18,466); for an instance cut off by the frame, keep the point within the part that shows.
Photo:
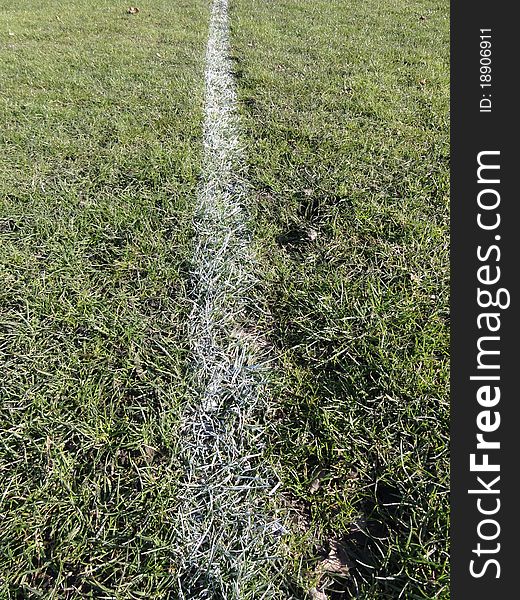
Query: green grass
(100,135)
(345,114)
(345,108)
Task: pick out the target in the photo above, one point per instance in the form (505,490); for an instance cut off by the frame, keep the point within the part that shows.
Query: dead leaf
(337,559)
(132,10)
(149,453)
(322,473)
(312,234)
(316,594)
(315,486)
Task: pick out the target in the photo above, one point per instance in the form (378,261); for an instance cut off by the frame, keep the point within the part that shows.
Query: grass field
(345,125)
(101,124)
(345,107)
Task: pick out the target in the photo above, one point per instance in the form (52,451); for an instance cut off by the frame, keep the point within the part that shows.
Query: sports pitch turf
(345,125)
(101,144)
(345,108)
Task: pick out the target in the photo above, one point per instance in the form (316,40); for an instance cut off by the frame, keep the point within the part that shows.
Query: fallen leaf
(149,453)
(316,594)
(315,486)
(312,234)
(132,10)
(337,560)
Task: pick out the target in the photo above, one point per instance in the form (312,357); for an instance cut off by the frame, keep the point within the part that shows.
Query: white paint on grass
(226,540)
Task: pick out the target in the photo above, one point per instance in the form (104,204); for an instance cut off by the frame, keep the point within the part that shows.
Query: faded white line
(226,539)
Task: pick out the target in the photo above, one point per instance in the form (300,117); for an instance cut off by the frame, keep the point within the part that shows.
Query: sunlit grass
(100,134)
(345,106)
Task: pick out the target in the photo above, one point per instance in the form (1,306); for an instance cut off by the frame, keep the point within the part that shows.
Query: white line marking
(225,537)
